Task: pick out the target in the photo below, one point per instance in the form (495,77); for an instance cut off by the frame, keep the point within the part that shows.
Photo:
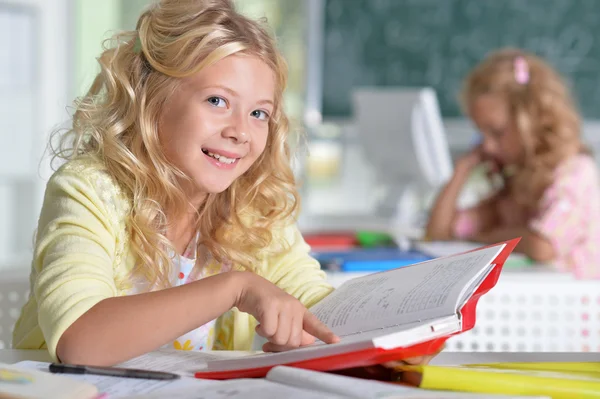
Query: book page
(410,294)
(241,389)
(349,387)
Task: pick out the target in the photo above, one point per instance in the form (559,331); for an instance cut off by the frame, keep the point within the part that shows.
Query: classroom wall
(94,21)
(34,84)
(437,42)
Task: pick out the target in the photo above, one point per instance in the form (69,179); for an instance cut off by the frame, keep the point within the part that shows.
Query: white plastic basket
(14,290)
(535,315)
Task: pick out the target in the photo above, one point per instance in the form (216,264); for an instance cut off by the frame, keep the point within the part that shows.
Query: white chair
(403,137)
(14,290)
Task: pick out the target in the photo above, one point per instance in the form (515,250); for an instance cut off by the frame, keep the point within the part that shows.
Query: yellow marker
(556,380)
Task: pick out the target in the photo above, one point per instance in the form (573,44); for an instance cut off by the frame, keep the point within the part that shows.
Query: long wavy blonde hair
(543,111)
(117,122)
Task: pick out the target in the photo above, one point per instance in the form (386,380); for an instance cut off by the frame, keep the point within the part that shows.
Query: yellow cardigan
(83,255)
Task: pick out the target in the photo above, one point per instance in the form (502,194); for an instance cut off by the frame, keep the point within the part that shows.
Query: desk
(444,358)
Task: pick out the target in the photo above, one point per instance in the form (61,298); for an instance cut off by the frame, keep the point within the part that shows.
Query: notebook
(19,383)
(401,313)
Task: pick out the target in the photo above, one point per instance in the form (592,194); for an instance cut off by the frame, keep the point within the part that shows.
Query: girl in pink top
(531,136)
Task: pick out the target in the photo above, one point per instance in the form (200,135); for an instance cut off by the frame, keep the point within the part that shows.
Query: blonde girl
(176,204)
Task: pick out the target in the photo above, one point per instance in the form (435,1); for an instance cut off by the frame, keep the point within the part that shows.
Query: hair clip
(137,46)
(521,70)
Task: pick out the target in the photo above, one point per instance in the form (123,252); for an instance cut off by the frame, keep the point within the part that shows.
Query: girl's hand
(468,161)
(283,320)
(409,377)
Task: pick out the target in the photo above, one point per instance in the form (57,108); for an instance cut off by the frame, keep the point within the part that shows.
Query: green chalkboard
(436,42)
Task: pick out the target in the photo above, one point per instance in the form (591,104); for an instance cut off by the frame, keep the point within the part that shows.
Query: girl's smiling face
(215,126)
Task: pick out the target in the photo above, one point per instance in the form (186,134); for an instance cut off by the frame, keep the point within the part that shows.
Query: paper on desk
(116,387)
(281,382)
(181,362)
(440,249)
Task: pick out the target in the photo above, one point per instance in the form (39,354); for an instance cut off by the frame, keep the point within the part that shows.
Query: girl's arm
(445,215)
(120,328)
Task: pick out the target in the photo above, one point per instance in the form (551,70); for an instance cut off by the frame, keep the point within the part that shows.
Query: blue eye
(217,102)
(261,115)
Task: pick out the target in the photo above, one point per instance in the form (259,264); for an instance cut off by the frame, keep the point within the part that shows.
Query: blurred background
(334,48)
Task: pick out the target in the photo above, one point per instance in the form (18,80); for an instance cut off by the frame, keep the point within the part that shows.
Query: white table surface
(445,358)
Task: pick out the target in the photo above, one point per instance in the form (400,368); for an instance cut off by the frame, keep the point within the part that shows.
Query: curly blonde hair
(117,122)
(544,115)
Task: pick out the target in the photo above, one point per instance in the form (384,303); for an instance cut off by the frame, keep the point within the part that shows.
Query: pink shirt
(568,216)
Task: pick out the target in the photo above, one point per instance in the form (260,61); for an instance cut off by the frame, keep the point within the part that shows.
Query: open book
(401,313)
